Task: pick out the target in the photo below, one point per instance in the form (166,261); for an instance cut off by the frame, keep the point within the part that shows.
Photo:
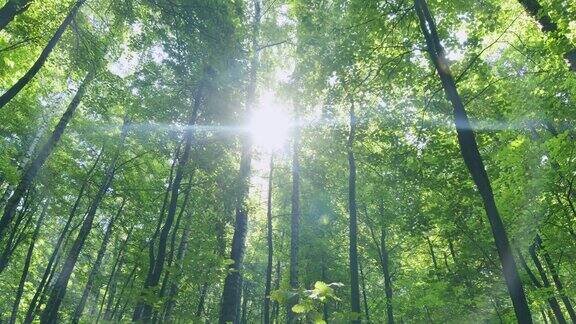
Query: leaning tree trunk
(50,313)
(268,285)
(24,80)
(20,289)
(556,279)
(551,300)
(232,285)
(35,165)
(11,9)
(353,230)
(474,163)
(146,313)
(56,252)
(537,12)
(295,216)
(96,266)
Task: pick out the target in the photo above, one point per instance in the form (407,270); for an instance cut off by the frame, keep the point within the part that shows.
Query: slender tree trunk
(353,236)
(201,300)
(128,283)
(96,266)
(50,313)
(551,300)
(35,165)
(295,216)
(24,80)
(110,291)
(556,279)
(172,207)
(138,310)
(548,26)
(364,297)
(232,285)
(268,284)
(27,261)
(474,163)
(432,254)
(53,260)
(387,279)
(11,9)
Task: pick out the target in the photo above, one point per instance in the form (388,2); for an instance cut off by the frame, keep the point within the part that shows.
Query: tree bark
(548,26)
(50,313)
(26,78)
(96,267)
(268,284)
(20,289)
(474,162)
(35,165)
(232,285)
(11,9)
(353,229)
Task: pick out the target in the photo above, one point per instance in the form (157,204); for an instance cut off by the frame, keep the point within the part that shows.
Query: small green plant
(310,302)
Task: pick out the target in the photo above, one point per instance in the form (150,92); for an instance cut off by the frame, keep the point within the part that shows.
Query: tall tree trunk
(556,279)
(353,236)
(232,285)
(23,81)
(53,260)
(96,266)
(11,9)
(551,300)
(295,216)
(548,26)
(432,254)
(27,261)
(50,313)
(474,163)
(364,297)
(385,262)
(268,284)
(172,207)
(201,300)
(138,310)
(35,165)
(110,291)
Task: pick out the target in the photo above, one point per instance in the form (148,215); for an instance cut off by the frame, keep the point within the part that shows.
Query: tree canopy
(287,161)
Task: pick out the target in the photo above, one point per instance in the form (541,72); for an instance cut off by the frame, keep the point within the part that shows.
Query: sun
(269,126)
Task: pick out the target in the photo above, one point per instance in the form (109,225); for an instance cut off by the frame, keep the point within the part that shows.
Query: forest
(287,161)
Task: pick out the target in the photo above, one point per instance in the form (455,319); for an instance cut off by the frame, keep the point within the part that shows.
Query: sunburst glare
(270,124)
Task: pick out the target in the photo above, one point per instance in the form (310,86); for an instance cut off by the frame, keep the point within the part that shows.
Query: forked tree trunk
(50,313)
(474,163)
(35,164)
(29,75)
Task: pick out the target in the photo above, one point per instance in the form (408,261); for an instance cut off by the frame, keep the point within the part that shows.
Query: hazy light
(270,125)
